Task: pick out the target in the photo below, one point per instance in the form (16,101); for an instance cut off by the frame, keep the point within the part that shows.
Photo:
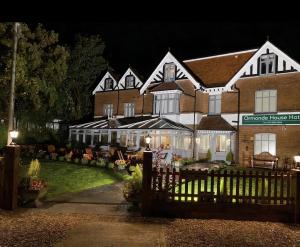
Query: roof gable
(181,73)
(283,64)
(100,86)
(138,82)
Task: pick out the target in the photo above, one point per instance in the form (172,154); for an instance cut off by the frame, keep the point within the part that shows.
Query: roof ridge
(220,55)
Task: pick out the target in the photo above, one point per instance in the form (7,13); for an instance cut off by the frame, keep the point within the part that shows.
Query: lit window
(108,83)
(166,103)
(129,110)
(221,143)
(169,72)
(214,104)
(267,64)
(266,101)
(129,81)
(108,110)
(204,143)
(265,142)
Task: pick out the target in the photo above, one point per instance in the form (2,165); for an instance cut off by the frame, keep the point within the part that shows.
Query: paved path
(116,234)
(107,201)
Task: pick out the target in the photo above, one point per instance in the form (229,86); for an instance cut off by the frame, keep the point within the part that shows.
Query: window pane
(258,93)
(273,103)
(257,137)
(264,146)
(265,105)
(258,105)
(211,106)
(218,106)
(257,147)
(221,143)
(272,147)
(273,93)
(263,68)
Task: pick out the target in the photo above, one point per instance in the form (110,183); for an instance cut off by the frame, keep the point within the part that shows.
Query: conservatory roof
(144,122)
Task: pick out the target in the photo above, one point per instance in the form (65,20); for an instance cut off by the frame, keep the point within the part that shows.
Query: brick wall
(130,96)
(287,139)
(102,98)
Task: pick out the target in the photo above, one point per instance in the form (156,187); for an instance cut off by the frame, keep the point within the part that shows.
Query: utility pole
(12,87)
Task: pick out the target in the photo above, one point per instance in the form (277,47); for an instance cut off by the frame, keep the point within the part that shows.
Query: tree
(40,73)
(85,65)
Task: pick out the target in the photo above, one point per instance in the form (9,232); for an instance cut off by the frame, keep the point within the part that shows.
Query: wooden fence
(265,195)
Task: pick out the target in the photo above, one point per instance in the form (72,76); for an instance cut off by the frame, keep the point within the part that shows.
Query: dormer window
(108,83)
(267,64)
(129,81)
(169,72)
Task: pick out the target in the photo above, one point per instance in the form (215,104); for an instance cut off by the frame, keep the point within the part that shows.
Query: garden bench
(264,160)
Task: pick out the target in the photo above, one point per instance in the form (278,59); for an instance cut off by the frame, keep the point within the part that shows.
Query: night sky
(143,44)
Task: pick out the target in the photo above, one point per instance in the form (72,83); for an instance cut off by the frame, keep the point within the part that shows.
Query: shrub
(61,158)
(53,156)
(229,156)
(133,188)
(208,155)
(111,165)
(84,161)
(101,162)
(93,162)
(76,160)
(34,169)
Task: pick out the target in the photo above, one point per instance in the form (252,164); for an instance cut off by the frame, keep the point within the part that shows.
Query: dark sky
(143,44)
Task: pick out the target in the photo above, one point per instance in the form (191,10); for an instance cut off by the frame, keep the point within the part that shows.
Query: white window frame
(267,60)
(261,140)
(129,109)
(108,110)
(266,101)
(214,102)
(106,82)
(166,103)
(169,72)
(128,83)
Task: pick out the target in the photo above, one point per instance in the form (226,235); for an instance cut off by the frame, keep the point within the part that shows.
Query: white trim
(167,92)
(221,55)
(253,59)
(167,59)
(101,83)
(138,82)
(269,75)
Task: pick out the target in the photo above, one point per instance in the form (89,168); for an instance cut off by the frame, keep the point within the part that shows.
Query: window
(129,110)
(204,143)
(265,142)
(129,81)
(108,110)
(221,143)
(166,103)
(267,64)
(108,83)
(266,101)
(169,72)
(214,106)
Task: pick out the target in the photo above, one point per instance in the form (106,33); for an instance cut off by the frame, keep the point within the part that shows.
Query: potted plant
(229,157)
(32,188)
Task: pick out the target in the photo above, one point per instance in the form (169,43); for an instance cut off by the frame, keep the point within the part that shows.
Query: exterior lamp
(14,135)
(148,140)
(297,160)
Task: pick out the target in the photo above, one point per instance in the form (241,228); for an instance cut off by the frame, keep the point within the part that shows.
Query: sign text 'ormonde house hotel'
(222,103)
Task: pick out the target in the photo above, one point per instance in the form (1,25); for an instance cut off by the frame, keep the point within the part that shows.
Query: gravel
(213,232)
(37,228)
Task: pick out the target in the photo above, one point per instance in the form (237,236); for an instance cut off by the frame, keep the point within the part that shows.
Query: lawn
(65,177)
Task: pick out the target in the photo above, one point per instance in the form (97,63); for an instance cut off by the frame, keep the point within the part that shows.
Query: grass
(64,177)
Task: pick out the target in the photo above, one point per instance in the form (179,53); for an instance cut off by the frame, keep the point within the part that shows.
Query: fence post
(10,181)
(147,173)
(296,193)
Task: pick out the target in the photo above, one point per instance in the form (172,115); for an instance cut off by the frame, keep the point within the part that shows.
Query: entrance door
(220,146)
(113,138)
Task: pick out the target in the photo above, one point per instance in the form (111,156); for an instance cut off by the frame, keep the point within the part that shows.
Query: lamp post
(297,160)
(12,86)
(148,140)
(14,135)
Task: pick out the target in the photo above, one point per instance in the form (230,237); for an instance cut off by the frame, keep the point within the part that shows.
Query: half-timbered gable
(130,80)
(109,82)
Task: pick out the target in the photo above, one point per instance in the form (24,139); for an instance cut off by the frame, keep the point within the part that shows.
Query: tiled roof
(166,86)
(214,123)
(216,71)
